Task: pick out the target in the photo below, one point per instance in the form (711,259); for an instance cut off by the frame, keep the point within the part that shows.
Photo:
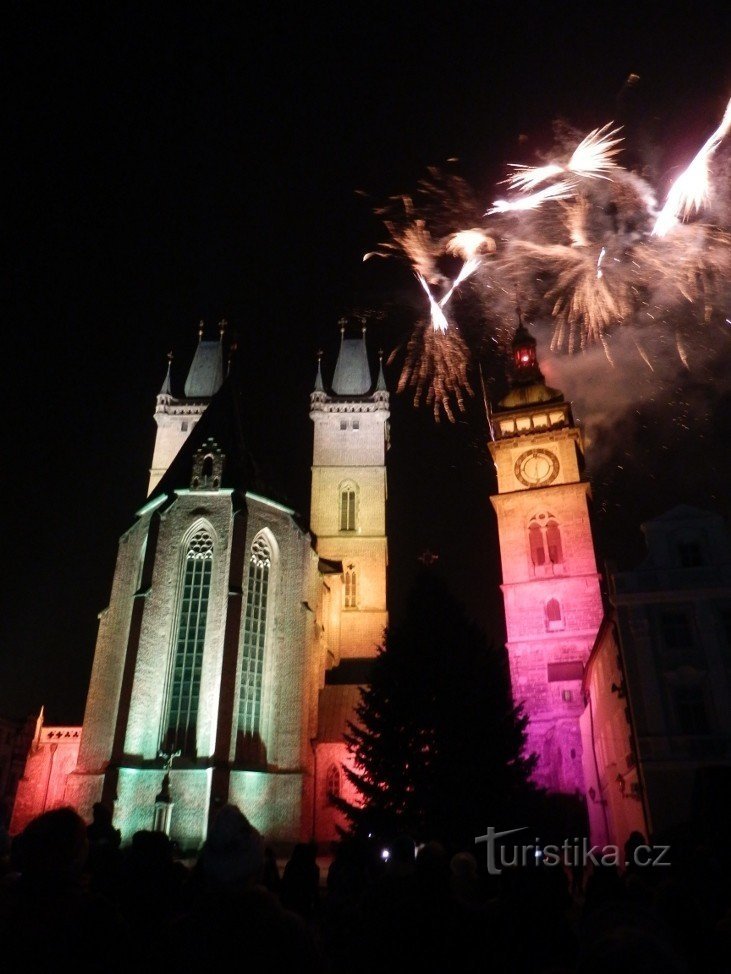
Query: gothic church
(228,661)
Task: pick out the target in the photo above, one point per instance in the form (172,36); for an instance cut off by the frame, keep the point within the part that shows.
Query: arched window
(207,468)
(553,542)
(351,593)
(544,541)
(554,619)
(332,782)
(185,680)
(537,551)
(347,507)
(252,650)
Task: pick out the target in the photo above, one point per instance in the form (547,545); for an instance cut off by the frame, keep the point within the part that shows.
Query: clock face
(536,468)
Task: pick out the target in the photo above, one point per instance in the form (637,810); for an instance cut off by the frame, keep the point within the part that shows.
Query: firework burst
(581,239)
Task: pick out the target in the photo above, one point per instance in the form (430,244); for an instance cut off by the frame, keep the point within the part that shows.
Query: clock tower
(553,603)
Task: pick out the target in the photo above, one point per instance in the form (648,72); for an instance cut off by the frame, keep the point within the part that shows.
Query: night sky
(176,162)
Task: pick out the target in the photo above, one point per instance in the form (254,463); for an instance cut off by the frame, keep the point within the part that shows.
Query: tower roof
(205,376)
(166,389)
(381,383)
(352,376)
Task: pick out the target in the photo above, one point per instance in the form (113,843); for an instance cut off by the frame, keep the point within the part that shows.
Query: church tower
(175,418)
(553,604)
(348,509)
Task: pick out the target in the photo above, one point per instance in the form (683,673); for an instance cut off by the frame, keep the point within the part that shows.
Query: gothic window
(544,541)
(207,468)
(553,542)
(185,680)
(537,551)
(252,655)
(332,782)
(350,588)
(347,507)
(554,619)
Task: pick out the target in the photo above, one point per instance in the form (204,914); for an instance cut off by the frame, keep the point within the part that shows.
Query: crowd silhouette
(73,897)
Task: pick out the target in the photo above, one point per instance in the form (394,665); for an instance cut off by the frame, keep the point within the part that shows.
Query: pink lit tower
(553,604)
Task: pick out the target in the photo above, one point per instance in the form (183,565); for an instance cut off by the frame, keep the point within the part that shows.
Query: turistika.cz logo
(572,852)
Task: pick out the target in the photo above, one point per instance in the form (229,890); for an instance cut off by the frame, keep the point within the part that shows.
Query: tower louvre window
(347,507)
(553,543)
(544,541)
(185,679)
(252,655)
(537,551)
(350,589)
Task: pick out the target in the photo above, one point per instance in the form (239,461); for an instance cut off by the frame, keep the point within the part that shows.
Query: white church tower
(175,418)
(348,509)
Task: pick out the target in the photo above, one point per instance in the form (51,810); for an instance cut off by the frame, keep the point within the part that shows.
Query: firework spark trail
(438,318)
(436,367)
(468,268)
(591,258)
(691,190)
(558,191)
(593,158)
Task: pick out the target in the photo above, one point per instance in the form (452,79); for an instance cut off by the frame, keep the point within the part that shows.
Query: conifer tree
(437,743)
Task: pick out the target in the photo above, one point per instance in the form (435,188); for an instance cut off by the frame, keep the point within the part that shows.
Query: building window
(343,424)
(567,695)
(690,554)
(356,424)
(537,551)
(567,670)
(185,682)
(690,710)
(553,543)
(350,588)
(252,650)
(184,427)
(332,782)
(679,646)
(347,507)
(544,539)
(554,619)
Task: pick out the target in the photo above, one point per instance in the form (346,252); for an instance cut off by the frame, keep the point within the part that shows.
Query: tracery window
(351,593)
(185,679)
(347,507)
(252,651)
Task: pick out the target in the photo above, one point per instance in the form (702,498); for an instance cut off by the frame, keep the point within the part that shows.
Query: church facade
(228,661)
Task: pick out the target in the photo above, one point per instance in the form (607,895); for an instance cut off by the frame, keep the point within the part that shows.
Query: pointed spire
(319,385)
(39,725)
(205,375)
(352,376)
(381,383)
(166,389)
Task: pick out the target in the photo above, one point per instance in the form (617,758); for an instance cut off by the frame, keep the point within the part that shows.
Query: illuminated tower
(176,418)
(348,517)
(348,510)
(553,604)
